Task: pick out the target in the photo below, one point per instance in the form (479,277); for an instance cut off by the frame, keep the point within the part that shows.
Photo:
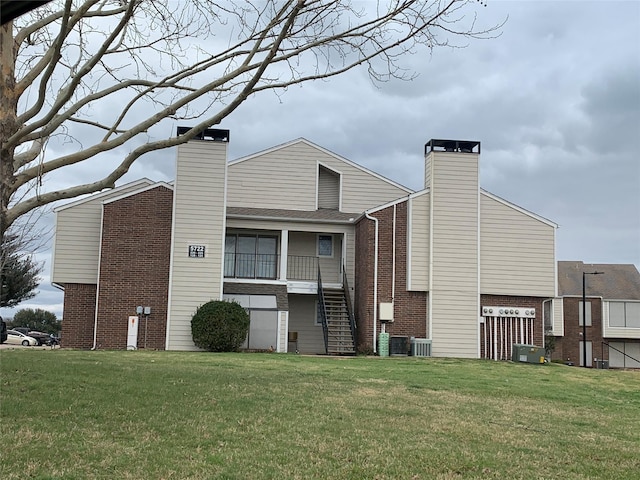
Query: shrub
(549,344)
(220,326)
(365,349)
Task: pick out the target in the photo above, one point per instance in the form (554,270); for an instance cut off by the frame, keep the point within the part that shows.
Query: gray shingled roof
(619,281)
(321,215)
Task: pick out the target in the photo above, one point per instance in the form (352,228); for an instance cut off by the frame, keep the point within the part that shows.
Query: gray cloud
(555,102)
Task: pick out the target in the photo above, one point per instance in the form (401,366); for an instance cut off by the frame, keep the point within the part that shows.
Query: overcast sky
(555,102)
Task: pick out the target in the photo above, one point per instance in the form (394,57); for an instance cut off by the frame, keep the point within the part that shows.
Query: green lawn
(167,415)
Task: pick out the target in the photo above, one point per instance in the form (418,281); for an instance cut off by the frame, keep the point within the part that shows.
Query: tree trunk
(8,119)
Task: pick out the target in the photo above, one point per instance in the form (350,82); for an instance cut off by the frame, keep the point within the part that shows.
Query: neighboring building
(612,314)
(324,254)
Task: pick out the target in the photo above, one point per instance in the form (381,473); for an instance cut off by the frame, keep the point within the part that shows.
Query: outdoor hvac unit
(527,353)
(398,345)
(600,364)
(420,347)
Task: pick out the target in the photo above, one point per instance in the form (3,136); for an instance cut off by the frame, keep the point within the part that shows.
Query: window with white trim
(624,314)
(250,256)
(325,245)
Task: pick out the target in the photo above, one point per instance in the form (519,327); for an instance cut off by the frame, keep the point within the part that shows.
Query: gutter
(236,216)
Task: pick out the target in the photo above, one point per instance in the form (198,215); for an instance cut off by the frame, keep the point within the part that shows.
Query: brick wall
(410,308)
(134,268)
(511,301)
(363,296)
(79,315)
(568,347)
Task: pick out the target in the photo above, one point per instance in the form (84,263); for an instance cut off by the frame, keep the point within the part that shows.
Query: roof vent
(209,134)
(460,146)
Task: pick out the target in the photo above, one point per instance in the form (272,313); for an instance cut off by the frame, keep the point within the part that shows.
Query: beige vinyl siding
(287,178)
(418,244)
(350,264)
(454,285)
(283,178)
(427,175)
(517,251)
(302,315)
(199,219)
(76,249)
(283,334)
(302,243)
(558,317)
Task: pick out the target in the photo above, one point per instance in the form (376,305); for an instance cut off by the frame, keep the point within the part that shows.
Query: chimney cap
(208,134)
(460,146)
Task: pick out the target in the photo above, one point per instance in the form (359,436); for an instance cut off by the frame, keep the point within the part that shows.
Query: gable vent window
(328,189)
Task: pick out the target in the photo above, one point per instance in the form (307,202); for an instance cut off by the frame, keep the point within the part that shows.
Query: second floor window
(250,256)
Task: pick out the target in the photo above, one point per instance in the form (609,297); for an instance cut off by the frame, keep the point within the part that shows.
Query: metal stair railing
(347,299)
(323,313)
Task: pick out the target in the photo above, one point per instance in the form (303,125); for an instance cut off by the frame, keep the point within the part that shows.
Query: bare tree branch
(152,61)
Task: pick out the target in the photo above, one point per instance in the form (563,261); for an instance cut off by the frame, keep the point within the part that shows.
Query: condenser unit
(527,353)
(398,345)
(420,347)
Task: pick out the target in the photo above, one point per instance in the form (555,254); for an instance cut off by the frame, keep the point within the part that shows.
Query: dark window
(250,256)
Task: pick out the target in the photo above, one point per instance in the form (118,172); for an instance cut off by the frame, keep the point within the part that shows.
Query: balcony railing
(267,266)
(251,265)
(302,268)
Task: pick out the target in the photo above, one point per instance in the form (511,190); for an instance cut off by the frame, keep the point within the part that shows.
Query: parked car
(19,338)
(3,331)
(42,338)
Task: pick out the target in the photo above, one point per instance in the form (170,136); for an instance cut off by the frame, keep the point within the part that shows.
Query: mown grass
(161,415)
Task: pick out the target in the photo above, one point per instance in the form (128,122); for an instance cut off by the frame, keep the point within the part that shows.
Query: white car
(17,338)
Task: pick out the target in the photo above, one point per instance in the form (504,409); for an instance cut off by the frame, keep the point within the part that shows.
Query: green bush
(220,326)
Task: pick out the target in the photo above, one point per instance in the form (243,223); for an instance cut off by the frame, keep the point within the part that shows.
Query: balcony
(267,266)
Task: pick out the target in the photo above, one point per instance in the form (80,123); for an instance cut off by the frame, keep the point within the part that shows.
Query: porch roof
(322,215)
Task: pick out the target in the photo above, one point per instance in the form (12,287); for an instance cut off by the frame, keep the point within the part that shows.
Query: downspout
(95,322)
(375,281)
(478,253)
(430,283)
(393,265)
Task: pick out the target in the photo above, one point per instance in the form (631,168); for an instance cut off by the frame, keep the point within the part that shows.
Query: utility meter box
(527,353)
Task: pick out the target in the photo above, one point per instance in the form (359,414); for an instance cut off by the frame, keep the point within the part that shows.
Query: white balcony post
(284,249)
(344,257)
